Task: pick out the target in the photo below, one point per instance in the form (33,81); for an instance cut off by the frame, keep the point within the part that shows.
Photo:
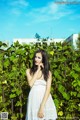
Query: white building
(34,40)
(72,40)
(25,40)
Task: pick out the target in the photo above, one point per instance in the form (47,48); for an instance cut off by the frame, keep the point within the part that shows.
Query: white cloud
(43,14)
(18,3)
(72,30)
(51,11)
(16,11)
(61,14)
(51,8)
(17,6)
(74,17)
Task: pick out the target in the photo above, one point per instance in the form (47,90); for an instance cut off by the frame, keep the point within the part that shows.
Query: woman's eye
(39,57)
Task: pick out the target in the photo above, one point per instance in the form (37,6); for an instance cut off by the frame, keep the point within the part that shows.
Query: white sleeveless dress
(35,97)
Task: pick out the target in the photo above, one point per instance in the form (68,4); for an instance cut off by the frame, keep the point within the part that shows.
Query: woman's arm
(47,92)
(31,79)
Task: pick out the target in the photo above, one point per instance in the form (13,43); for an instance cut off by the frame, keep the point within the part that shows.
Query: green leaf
(18,103)
(66,96)
(56,102)
(61,88)
(12,96)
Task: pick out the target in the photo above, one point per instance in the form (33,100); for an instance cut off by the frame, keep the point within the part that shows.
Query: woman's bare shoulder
(28,71)
(50,73)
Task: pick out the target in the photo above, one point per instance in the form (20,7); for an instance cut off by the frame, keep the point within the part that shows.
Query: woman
(40,103)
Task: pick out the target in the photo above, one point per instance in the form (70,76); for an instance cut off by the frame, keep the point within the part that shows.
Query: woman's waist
(37,88)
(39,84)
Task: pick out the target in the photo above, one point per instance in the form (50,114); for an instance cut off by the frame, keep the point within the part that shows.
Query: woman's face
(38,58)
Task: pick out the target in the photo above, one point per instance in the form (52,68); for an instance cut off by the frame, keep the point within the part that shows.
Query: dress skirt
(35,98)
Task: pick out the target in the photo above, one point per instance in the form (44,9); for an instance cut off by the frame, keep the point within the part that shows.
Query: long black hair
(45,62)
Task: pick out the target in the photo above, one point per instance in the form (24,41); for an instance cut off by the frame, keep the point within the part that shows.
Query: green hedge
(14,89)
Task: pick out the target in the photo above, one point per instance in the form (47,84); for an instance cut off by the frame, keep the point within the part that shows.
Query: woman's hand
(40,66)
(41,113)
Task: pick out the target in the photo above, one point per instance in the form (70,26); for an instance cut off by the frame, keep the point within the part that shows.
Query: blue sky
(25,18)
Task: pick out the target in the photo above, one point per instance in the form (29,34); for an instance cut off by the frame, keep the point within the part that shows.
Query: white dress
(35,97)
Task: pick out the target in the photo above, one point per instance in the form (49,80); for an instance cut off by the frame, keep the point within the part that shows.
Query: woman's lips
(36,62)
